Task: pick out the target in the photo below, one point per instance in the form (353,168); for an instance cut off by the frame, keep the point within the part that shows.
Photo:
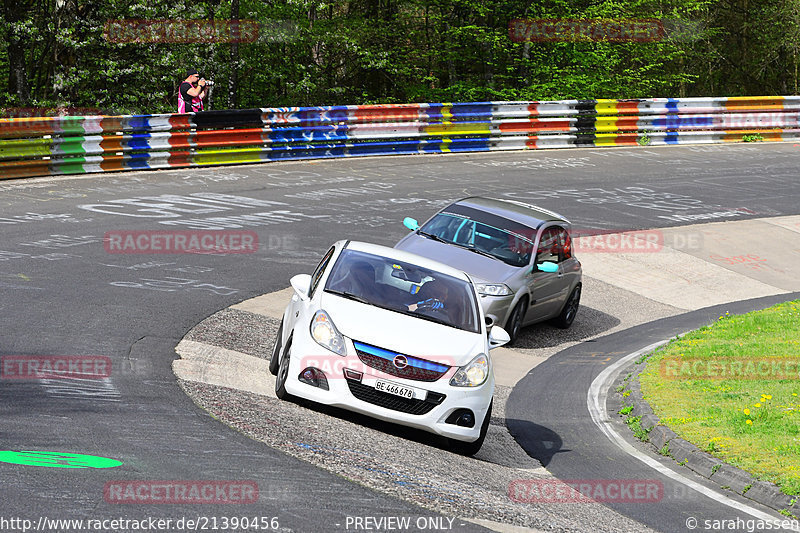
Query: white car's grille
(412,367)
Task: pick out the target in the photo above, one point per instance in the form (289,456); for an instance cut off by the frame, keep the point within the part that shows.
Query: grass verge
(732,388)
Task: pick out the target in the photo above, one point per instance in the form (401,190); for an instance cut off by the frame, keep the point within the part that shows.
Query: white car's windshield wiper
(427,317)
(350,296)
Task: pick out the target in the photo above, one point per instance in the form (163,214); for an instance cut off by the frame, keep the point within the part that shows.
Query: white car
(392,335)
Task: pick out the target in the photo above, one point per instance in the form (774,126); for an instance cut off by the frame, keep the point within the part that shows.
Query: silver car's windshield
(405,288)
(512,246)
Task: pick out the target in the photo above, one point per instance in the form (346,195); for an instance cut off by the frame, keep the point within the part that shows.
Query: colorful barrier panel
(80,144)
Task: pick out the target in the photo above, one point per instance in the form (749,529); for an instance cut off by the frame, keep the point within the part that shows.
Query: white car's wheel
(276,351)
(471,448)
(283,373)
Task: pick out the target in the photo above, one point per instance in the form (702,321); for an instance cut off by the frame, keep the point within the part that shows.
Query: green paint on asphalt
(56,459)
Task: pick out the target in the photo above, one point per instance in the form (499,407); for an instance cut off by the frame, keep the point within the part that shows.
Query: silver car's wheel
(570,310)
(514,324)
(283,373)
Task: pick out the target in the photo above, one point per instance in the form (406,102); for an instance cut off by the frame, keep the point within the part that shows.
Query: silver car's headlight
(325,333)
(493,289)
(473,374)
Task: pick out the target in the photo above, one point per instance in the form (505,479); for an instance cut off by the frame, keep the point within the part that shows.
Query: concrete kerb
(680,450)
(206,363)
(648,421)
(660,436)
(686,454)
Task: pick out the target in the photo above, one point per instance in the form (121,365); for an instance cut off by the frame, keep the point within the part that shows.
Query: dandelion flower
(749,422)
(747,411)
(768,396)
(757,405)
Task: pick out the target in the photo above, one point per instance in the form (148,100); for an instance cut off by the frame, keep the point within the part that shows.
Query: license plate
(394,388)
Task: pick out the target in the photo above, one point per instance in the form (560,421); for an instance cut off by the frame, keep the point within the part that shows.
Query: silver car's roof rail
(531,206)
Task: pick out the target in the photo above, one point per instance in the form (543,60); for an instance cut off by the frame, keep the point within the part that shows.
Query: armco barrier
(80,144)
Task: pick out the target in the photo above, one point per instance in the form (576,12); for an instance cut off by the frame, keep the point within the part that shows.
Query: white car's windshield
(512,246)
(405,288)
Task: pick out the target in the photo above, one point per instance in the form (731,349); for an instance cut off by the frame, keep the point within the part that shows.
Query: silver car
(519,255)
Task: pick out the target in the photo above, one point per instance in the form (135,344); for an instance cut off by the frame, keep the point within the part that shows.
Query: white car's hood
(402,333)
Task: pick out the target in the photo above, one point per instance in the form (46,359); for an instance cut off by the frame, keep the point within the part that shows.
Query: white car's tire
(283,372)
(276,351)
(471,448)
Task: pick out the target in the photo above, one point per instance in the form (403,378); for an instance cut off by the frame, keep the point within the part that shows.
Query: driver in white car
(433,296)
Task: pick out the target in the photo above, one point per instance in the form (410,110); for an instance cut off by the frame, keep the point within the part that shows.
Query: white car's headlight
(473,374)
(325,333)
(493,289)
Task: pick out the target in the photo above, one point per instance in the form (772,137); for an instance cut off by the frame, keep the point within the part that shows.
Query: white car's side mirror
(498,337)
(301,283)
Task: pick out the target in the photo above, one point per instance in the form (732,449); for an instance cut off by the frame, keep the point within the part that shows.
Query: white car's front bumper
(427,411)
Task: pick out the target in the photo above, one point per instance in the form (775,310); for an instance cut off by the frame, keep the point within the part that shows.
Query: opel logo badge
(400,362)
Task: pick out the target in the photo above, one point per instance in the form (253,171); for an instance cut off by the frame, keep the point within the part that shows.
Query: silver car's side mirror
(498,337)
(547,266)
(411,223)
(301,283)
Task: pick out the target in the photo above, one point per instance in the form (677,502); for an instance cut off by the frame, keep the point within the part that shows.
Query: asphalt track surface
(553,425)
(65,295)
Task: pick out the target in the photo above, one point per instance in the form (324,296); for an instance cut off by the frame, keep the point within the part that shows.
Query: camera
(209,83)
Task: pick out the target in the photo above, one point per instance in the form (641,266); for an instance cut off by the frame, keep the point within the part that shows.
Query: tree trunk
(233,80)
(18,76)
(18,82)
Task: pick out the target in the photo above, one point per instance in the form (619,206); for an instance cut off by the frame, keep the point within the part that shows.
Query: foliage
(752,138)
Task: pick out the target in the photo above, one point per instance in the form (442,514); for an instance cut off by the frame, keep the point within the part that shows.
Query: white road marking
(596,401)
